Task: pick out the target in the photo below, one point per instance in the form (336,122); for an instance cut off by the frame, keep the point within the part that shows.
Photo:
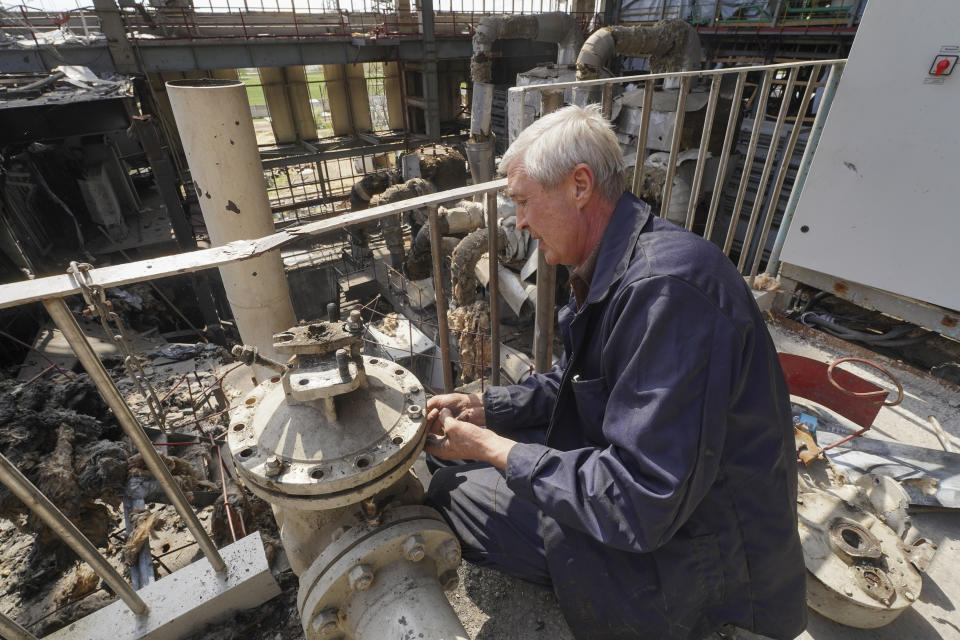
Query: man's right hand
(466,407)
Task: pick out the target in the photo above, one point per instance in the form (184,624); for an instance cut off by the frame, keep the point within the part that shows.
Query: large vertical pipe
(213,118)
(68,326)
(550,101)
(38,503)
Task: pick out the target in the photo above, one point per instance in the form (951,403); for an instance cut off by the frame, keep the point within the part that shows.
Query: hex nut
(449,580)
(413,548)
(450,552)
(274,466)
(360,577)
(414,411)
(325,622)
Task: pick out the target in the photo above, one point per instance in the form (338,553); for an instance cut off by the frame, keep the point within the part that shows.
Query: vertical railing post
(681,112)
(642,136)
(782,173)
(443,328)
(67,324)
(833,80)
(490,204)
(39,504)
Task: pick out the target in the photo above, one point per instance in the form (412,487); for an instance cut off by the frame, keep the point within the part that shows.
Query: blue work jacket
(667,484)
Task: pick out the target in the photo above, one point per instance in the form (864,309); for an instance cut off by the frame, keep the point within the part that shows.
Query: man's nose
(522,221)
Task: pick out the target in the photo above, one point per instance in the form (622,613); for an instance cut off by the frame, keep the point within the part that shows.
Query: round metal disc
(292,452)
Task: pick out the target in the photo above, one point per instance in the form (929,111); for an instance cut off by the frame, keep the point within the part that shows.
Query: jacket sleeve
(522,405)
(669,363)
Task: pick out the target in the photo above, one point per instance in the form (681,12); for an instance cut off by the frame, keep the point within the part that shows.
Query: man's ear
(583,183)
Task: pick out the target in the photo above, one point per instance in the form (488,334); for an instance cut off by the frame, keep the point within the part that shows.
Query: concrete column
(113,29)
(349,101)
(431,85)
(288,99)
(213,117)
(391,87)
(278,104)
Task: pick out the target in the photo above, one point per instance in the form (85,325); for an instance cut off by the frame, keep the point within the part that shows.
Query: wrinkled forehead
(518,182)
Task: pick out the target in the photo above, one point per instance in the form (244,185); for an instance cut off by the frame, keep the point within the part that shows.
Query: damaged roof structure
(243,245)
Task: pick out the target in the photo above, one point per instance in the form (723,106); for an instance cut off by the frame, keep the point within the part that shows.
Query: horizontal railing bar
(675,74)
(18,293)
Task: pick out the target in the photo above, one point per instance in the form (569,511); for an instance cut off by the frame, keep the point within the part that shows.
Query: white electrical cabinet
(881,205)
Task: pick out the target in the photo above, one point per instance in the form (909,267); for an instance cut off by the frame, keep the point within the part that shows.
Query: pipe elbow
(595,54)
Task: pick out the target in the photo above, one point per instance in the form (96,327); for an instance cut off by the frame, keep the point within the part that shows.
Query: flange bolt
(274,465)
(360,577)
(413,548)
(414,411)
(343,364)
(355,324)
(325,622)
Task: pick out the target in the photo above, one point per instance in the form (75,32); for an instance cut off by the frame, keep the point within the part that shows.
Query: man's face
(551,216)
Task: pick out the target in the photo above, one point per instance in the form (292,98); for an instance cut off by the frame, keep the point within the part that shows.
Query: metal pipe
(68,532)
(67,324)
(702,155)
(674,146)
(782,173)
(748,161)
(10,630)
(642,136)
(786,98)
(213,118)
(725,153)
(833,81)
(443,328)
(490,204)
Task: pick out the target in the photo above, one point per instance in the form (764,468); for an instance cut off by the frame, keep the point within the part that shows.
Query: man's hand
(467,407)
(453,439)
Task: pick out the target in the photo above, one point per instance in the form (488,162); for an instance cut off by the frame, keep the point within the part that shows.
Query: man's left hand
(453,439)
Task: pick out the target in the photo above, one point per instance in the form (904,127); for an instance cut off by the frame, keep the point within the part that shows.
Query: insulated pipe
(556,27)
(67,324)
(18,484)
(671,45)
(213,118)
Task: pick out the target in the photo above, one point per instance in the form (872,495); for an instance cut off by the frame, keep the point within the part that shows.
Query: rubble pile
(62,437)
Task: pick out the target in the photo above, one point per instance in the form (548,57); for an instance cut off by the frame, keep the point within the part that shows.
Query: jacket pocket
(591,397)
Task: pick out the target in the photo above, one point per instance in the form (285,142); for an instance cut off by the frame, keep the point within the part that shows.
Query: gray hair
(553,145)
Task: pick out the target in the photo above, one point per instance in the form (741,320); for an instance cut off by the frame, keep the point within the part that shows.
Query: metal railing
(249,19)
(52,290)
(760,205)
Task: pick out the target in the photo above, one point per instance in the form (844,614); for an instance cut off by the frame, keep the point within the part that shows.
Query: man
(650,480)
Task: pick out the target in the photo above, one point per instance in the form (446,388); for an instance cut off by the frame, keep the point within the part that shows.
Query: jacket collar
(616,247)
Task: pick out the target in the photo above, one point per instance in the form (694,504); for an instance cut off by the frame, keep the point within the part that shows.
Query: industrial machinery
(329,442)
